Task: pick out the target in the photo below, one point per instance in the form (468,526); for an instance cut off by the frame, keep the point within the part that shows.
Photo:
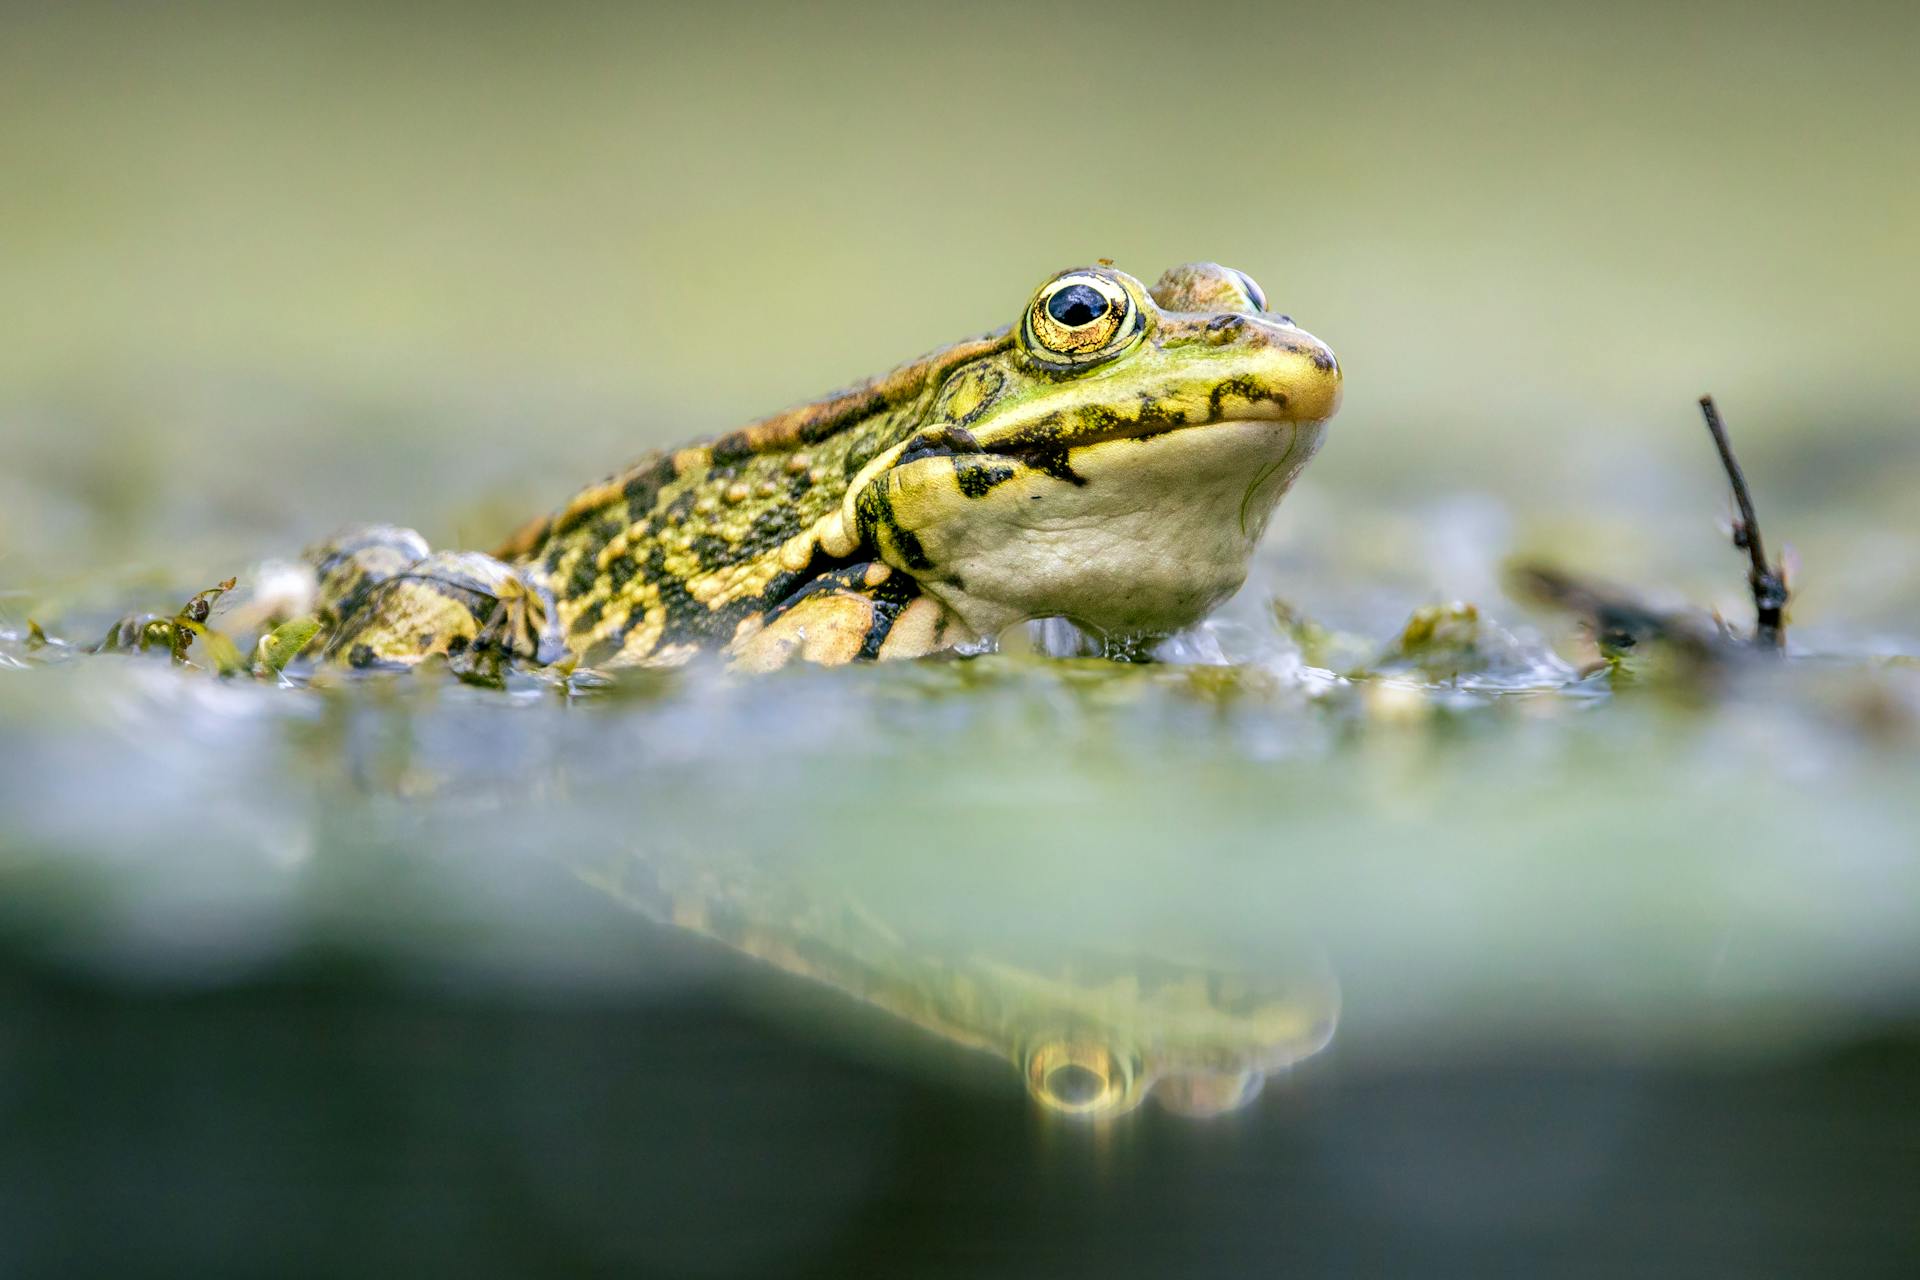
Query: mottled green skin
(681,548)
(1019,474)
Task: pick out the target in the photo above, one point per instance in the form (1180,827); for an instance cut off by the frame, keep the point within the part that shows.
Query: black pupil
(1074,1084)
(1076,305)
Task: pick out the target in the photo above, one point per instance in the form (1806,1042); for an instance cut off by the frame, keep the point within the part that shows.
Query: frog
(1111,457)
(1091,1033)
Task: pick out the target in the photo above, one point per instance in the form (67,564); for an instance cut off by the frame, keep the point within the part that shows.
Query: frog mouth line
(1044,453)
(1055,457)
(1035,440)
(1045,446)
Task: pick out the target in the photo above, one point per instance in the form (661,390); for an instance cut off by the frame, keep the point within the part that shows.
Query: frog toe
(474,610)
(861,613)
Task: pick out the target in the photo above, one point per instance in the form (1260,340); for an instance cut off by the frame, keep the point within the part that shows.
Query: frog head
(1092,1034)
(1200,1040)
(1114,461)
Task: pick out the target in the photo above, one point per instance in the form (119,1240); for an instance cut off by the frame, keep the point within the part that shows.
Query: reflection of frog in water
(1092,1037)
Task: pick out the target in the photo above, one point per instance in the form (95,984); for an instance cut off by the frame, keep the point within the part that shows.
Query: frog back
(675,552)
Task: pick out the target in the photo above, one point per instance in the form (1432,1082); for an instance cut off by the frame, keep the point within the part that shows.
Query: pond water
(704,972)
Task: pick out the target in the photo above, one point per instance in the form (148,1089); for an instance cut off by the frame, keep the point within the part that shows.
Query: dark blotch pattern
(735,446)
(680,510)
(890,598)
(976,478)
(874,513)
(893,595)
(643,490)
(1050,459)
(585,574)
(1245,389)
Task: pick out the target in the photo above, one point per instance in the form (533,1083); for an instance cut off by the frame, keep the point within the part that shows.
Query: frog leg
(861,613)
(349,565)
(477,611)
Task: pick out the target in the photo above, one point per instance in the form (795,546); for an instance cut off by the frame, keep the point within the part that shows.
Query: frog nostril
(938,442)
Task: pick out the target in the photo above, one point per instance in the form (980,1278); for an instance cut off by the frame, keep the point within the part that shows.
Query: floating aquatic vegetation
(283,644)
(176,635)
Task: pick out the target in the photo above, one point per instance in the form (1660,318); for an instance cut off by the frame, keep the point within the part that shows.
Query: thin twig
(1767,583)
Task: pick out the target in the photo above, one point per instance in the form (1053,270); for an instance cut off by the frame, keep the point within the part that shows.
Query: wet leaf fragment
(1440,641)
(283,644)
(138,633)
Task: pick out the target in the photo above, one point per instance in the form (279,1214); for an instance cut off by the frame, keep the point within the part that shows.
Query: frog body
(1112,457)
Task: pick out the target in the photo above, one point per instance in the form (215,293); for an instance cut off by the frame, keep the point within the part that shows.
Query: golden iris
(1081,316)
(1079,1078)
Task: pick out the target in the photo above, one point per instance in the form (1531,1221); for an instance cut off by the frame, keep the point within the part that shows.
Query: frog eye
(1080,1078)
(1255,294)
(1080,317)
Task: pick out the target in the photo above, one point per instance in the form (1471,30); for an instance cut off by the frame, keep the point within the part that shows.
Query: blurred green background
(305,978)
(268,269)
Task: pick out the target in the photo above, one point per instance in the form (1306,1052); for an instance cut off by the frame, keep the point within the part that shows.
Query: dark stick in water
(1768,584)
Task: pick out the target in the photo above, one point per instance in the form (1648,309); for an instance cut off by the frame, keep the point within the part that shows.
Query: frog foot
(387,602)
(863,612)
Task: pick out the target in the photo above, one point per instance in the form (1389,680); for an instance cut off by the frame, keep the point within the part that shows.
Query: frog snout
(1309,370)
